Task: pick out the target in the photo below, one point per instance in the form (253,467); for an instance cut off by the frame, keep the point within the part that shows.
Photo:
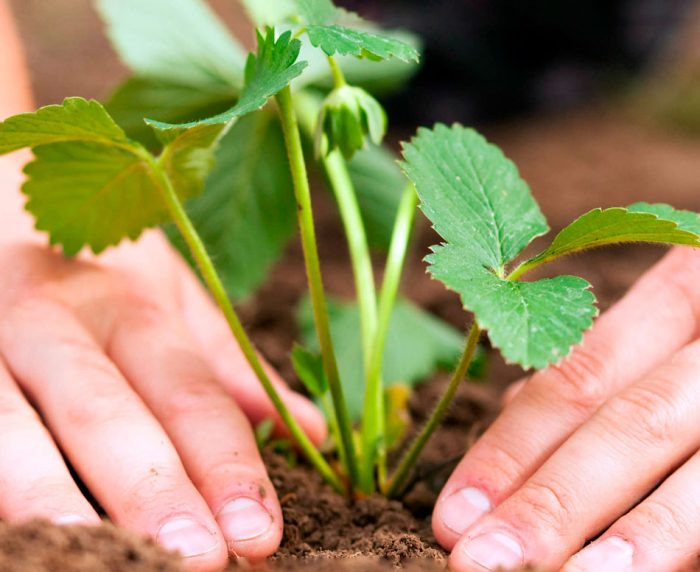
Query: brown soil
(38,547)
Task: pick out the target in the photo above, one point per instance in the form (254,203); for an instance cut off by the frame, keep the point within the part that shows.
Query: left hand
(604,444)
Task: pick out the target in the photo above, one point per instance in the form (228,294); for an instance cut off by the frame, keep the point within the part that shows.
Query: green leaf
(309,368)
(417,344)
(478,203)
(188,158)
(318,12)
(263,432)
(333,39)
(89,193)
(379,183)
(138,98)
(640,223)
(178,41)
(686,220)
(247,213)
(75,120)
(90,185)
(532,323)
(266,73)
(473,195)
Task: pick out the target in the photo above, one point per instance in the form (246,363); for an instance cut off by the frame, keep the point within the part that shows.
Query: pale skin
(140,384)
(137,381)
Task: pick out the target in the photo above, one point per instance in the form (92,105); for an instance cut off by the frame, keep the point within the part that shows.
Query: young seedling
(91,185)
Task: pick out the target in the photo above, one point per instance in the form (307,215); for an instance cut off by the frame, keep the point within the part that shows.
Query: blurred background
(597,102)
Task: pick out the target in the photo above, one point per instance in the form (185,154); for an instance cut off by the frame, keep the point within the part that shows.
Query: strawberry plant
(212,137)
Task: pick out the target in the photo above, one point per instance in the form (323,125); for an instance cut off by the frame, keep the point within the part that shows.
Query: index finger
(626,343)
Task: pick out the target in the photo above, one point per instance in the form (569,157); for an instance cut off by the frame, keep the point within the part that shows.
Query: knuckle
(13,408)
(667,521)
(221,473)
(198,394)
(547,507)
(579,379)
(504,466)
(47,490)
(142,311)
(104,403)
(646,413)
(154,489)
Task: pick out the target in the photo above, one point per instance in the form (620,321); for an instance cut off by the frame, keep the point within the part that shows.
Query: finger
(596,475)
(625,343)
(223,353)
(35,481)
(662,533)
(113,441)
(211,434)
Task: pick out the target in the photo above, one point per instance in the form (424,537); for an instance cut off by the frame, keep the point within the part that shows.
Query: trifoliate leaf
(642,222)
(138,98)
(478,203)
(532,323)
(247,213)
(75,120)
(473,195)
(309,368)
(90,185)
(417,344)
(334,39)
(178,41)
(266,73)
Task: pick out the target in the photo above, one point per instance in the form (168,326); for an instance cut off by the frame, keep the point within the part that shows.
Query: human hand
(606,442)
(142,387)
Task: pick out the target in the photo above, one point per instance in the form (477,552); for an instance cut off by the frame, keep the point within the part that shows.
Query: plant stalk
(216,287)
(342,186)
(373,425)
(408,460)
(338,76)
(302,193)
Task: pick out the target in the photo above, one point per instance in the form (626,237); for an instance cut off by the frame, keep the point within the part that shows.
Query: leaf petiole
(398,479)
(373,430)
(302,193)
(216,287)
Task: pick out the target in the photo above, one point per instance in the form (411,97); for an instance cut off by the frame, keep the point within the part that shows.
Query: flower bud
(349,116)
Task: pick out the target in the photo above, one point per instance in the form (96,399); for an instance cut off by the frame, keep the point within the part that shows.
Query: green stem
(373,442)
(526,267)
(337,172)
(338,76)
(216,287)
(302,193)
(408,460)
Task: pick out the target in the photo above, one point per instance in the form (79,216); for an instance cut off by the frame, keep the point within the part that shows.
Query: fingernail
(495,550)
(463,508)
(244,519)
(613,553)
(69,519)
(187,537)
